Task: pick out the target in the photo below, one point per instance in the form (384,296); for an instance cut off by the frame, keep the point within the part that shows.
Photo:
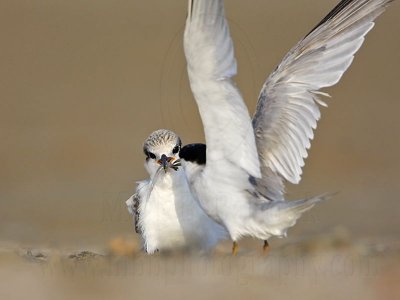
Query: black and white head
(162,149)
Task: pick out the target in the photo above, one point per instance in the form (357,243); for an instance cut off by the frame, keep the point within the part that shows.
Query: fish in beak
(165,162)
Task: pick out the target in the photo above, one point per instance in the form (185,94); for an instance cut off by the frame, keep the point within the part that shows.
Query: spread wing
(287,109)
(211,64)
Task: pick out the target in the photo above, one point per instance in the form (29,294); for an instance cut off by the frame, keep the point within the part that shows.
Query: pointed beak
(164,162)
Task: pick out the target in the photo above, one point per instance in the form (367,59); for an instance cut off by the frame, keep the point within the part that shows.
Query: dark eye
(176,149)
(149,154)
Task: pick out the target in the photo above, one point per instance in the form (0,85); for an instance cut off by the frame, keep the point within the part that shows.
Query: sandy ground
(333,266)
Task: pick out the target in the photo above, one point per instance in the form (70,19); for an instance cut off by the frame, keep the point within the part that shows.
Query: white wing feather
(211,64)
(287,110)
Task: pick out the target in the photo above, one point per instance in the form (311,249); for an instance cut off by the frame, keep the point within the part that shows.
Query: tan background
(82,83)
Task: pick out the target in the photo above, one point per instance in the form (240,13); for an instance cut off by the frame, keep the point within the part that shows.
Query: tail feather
(279,216)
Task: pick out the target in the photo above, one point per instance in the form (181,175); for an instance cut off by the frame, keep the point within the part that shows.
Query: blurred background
(83,83)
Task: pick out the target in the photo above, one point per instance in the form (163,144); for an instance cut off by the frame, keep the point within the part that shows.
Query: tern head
(162,150)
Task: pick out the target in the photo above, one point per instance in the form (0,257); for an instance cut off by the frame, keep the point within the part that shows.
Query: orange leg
(266,247)
(235,248)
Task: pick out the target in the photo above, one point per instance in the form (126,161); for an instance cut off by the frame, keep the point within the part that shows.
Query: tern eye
(176,149)
(149,154)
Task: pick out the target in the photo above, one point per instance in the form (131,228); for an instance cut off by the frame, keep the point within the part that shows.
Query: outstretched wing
(211,64)
(287,109)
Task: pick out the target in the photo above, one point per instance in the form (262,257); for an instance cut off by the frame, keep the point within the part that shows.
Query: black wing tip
(195,153)
(190,9)
(338,8)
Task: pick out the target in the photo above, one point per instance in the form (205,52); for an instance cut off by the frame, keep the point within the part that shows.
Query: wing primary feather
(190,5)
(288,106)
(337,9)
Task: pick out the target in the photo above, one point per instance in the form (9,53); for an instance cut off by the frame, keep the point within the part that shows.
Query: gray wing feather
(133,207)
(136,202)
(287,109)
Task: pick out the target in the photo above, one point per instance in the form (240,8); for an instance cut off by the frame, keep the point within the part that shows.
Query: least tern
(241,186)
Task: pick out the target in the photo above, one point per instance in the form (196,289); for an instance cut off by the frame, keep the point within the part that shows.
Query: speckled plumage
(161,137)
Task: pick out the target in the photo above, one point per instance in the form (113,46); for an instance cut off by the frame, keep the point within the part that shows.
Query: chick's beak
(165,162)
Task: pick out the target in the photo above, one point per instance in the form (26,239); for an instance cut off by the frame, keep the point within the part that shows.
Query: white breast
(170,218)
